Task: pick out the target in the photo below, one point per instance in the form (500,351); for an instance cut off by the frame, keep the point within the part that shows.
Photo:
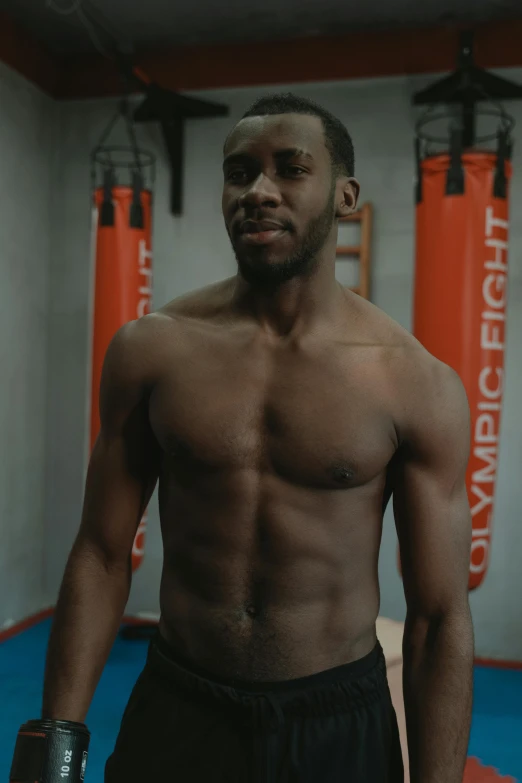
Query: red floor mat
(476,773)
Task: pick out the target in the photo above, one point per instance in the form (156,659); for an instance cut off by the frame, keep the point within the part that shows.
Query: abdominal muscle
(297,599)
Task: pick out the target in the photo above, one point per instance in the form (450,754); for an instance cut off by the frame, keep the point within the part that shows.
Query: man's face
(278,196)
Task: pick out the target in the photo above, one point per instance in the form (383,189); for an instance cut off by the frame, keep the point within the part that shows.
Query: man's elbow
(449,623)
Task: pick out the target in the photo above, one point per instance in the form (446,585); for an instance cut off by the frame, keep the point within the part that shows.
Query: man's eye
(294,171)
(236,175)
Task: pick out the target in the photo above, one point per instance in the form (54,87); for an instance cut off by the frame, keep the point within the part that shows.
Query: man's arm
(122,475)
(433,522)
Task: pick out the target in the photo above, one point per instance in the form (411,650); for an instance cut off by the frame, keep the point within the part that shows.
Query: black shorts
(182,725)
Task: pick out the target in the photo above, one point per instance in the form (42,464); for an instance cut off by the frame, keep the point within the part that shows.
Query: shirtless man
(279,413)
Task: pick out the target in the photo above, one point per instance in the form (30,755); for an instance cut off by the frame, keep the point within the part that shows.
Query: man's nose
(261,192)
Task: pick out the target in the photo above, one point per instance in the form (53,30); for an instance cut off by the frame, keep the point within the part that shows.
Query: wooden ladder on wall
(363,250)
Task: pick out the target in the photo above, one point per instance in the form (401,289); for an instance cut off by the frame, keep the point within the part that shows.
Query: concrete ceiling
(146,24)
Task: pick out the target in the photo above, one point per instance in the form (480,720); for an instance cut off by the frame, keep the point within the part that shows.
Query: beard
(301,263)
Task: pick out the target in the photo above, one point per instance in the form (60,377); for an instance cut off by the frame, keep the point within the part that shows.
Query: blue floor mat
(496,732)
(22,661)
(496,736)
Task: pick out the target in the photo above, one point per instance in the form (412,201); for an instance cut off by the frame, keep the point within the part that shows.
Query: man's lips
(262,232)
(262,237)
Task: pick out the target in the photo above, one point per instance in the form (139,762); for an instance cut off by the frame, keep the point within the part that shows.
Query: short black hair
(338,140)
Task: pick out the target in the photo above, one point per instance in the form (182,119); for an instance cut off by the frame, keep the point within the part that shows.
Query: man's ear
(348,190)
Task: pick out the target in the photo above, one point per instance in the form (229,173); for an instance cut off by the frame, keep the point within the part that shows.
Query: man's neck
(293,308)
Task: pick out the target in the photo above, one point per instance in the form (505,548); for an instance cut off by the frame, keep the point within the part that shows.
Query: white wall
(193,250)
(26,145)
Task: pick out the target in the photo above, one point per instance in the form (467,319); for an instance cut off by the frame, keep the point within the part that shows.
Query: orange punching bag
(122,289)
(460,304)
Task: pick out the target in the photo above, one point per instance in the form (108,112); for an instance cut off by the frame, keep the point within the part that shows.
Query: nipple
(342,474)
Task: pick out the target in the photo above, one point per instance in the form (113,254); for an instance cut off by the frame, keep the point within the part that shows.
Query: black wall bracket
(467,86)
(171,110)
(168,108)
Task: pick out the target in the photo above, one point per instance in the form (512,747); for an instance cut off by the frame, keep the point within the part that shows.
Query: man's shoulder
(202,304)
(421,386)
(168,325)
(372,326)
(399,345)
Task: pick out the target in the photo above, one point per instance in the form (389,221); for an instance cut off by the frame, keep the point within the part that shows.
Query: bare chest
(320,421)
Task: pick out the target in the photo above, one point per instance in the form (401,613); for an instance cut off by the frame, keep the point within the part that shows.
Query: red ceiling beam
(353,56)
(27,56)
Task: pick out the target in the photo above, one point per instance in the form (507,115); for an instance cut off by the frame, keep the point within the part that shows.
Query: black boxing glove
(50,751)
